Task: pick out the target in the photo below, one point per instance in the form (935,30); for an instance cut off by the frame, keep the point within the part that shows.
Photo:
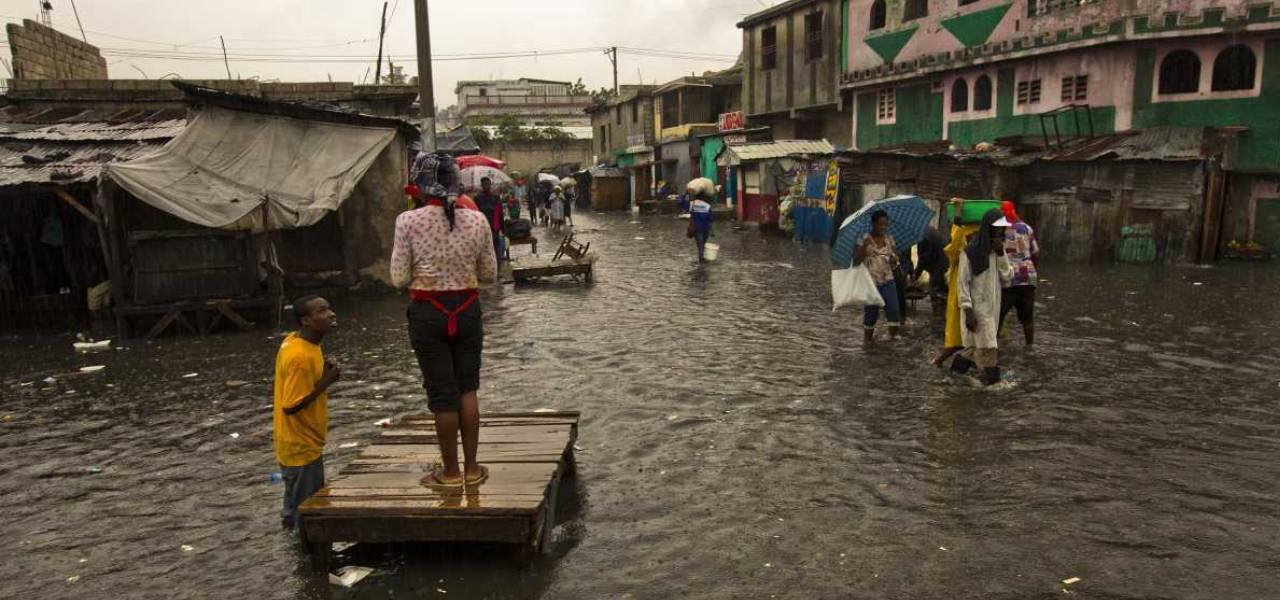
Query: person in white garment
(983,272)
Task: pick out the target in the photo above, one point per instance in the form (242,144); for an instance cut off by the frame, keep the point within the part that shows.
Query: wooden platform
(531,268)
(378,497)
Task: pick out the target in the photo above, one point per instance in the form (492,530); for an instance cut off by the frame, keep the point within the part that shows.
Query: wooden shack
(254,196)
(609,188)
(52,264)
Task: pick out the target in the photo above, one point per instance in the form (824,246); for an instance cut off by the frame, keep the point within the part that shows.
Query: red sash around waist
(433,298)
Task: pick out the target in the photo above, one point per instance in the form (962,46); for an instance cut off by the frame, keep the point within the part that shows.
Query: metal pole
(426,95)
(78,23)
(382,32)
(224,57)
(614,59)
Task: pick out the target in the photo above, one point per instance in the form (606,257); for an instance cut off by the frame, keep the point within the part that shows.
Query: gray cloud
(317,39)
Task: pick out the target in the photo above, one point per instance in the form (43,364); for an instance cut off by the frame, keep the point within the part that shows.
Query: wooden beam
(70,200)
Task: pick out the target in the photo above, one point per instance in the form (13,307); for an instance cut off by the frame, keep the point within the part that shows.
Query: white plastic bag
(854,287)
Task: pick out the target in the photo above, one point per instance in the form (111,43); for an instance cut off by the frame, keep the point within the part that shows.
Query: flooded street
(737,441)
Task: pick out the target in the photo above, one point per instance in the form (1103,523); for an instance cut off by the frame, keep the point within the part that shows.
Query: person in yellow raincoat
(960,235)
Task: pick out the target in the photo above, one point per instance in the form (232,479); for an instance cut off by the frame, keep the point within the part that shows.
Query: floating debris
(73,579)
(92,369)
(87,347)
(190,375)
(1070,580)
(186,548)
(383,422)
(235,436)
(349,445)
(349,575)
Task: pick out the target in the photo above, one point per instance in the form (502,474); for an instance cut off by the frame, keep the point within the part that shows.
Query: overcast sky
(313,40)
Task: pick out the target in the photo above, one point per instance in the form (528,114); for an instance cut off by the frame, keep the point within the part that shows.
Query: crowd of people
(976,276)
(449,245)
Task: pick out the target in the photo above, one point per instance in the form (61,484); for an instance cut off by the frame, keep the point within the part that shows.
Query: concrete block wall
(320,91)
(159,90)
(41,52)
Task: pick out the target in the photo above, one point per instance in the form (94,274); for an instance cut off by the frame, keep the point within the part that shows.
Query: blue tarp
(815,185)
(813,224)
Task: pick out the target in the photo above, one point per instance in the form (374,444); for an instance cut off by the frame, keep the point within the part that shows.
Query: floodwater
(737,441)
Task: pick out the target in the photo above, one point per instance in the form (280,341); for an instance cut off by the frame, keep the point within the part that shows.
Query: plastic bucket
(711,251)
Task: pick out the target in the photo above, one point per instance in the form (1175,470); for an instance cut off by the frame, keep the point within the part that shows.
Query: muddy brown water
(738,441)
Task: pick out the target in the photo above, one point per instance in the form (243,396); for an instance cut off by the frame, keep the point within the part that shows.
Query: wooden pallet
(378,497)
(571,258)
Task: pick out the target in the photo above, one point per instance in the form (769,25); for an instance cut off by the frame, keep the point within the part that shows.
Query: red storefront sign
(732,121)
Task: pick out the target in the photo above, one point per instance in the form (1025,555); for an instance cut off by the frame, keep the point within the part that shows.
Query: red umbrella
(479,160)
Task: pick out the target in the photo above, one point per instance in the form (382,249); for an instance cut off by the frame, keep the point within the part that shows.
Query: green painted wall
(919,118)
(974,28)
(1005,123)
(1259,148)
(711,147)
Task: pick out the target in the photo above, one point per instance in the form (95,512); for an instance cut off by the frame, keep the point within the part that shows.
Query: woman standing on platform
(443,255)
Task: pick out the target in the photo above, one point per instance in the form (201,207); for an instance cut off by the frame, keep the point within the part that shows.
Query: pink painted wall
(932,38)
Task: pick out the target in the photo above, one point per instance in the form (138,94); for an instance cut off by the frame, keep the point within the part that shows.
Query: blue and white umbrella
(909,216)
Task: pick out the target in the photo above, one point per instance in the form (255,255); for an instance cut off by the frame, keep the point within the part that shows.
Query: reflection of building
(530,101)
(1047,75)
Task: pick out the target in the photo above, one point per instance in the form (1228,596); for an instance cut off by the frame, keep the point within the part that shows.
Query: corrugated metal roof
(26,162)
(100,131)
(780,149)
(1157,143)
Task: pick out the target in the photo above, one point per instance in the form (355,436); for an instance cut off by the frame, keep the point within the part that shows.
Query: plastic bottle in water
(275,477)
(526,351)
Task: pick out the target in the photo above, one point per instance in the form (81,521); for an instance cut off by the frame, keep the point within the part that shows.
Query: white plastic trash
(711,251)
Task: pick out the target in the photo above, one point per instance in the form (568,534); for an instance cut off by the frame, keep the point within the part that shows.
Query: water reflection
(738,442)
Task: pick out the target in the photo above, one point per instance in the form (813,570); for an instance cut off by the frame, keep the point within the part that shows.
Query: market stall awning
(228,164)
(780,149)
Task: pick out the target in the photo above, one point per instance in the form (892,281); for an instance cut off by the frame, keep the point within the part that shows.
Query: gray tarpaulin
(226,164)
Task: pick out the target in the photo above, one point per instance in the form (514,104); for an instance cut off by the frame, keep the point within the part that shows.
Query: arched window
(1234,69)
(1180,73)
(982,93)
(877,15)
(959,95)
(915,9)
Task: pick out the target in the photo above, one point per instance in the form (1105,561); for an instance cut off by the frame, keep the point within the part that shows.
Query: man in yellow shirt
(301,413)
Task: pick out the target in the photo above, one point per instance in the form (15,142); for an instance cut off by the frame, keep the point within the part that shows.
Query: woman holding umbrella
(880,255)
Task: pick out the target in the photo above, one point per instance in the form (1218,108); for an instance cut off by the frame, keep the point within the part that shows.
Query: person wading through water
(1021,248)
(300,416)
(879,253)
(960,236)
(442,255)
(983,272)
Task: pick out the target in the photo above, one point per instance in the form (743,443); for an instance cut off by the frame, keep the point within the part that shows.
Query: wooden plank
(407,528)
(163,323)
(519,415)
(80,208)
(422,507)
(224,308)
(379,496)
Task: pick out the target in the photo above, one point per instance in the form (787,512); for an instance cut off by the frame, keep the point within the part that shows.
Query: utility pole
(426,95)
(382,32)
(224,56)
(78,23)
(612,51)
